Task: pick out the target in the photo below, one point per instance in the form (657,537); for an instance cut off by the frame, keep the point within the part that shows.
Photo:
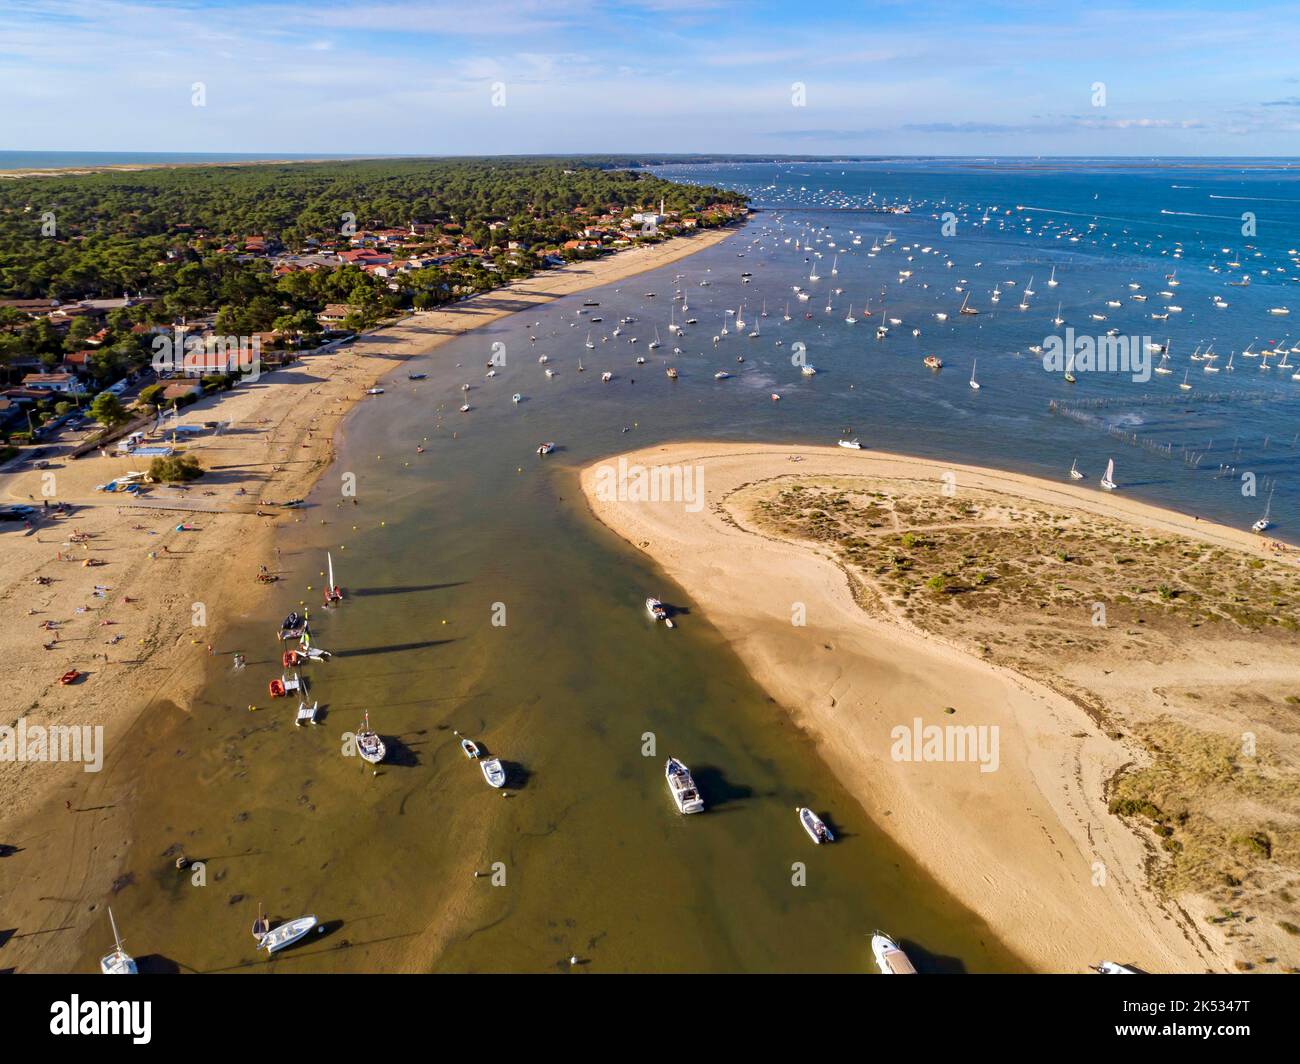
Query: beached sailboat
(682,787)
(118,962)
(494,772)
(890,958)
(1074,471)
(261,925)
(1265,522)
(369,745)
(814,825)
(1108,481)
(287,933)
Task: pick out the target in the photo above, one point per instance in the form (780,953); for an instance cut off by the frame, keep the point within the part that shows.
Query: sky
(979,77)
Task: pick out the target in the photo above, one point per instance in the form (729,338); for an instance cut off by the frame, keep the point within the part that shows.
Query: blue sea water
(1190,228)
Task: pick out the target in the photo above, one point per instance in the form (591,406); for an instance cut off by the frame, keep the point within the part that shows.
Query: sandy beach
(1029,846)
(144,621)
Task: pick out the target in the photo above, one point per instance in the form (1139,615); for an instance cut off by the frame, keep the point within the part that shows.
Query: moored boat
(369,745)
(287,934)
(682,787)
(815,826)
(494,772)
(890,958)
(118,962)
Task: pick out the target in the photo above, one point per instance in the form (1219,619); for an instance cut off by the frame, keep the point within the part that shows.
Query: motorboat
(852,445)
(288,933)
(682,787)
(545,448)
(933,362)
(815,826)
(494,772)
(890,958)
(470,747)
(658,612)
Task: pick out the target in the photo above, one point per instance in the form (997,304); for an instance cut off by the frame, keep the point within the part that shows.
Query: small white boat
(374,391)
(607,376)
(119,962)
(1265,522)
(682,787)
(890,958)
(516,398)
(493,772)
(1108,481)
(776,397)
(809,371)
(1074,471)
(464,408)
(973,382)
(852,445)
(1112,968)
(546,448)
(814,825)
(369,745)
(658,612)
(306,714)
(470,747)
(721,375)
(287,934)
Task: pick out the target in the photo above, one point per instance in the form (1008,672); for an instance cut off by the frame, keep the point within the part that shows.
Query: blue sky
(393,76)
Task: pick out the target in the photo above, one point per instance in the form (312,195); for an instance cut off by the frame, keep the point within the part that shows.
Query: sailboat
(1185,386)
(589,345)
(261,925)
(1058,320)
(835,263)
(967,309)
(1264,523)
(1052,281)
(332,591)
(369,745)
(787,310)
(1074,471)
(655,342)
(119,962)
(973,382)
(1108,481)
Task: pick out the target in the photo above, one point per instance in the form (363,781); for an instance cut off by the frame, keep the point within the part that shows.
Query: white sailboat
(973,382)
(369,745)
(1108,481)
(1074,471)
(1052,282)
(333,593)
(1264,523)
(119,962)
